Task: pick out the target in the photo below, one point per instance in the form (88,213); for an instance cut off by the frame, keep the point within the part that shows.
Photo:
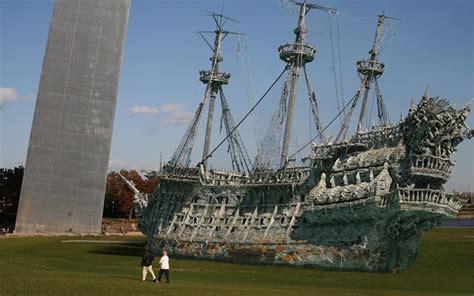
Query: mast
(214,80)
(296,63)
(297,55)
(371,70)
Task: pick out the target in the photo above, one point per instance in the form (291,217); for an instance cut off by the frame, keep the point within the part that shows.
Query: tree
(112,196)
(10,189)
(119,198)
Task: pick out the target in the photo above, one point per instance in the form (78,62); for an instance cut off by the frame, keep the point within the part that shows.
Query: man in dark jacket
(147,260)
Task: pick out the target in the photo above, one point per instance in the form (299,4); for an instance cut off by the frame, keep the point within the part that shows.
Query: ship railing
(288,175)
(379,133)
(431,165)
(180,172)
(426,195)
(216,177)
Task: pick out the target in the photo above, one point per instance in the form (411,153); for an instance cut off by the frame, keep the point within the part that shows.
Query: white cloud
(164,109)
(7,95)
(174,112)
(10,94)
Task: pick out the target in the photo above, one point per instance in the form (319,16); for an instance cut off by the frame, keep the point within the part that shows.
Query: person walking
(164,267)
(147,260)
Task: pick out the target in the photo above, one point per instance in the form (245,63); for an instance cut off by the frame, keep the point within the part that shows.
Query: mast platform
(217,78)
(292,52)
(373,68)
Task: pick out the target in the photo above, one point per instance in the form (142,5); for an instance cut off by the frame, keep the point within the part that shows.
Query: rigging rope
(369,120)
(236,146)
(388,27)
(246,115)
(248,85)
(269,152)
(325,128)
(314,105)
(382,109)
(360,21)
(187,142)
(339,57)
(333,62)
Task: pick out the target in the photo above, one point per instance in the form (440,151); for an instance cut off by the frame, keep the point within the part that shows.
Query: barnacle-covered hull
(357,235)
(359,205)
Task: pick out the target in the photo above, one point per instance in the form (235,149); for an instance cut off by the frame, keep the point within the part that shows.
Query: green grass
(46,266)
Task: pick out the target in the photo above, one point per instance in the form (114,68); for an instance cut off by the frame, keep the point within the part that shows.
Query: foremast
(273,151)
(213,79)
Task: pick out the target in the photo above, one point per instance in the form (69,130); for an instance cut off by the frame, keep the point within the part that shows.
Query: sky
(160,88)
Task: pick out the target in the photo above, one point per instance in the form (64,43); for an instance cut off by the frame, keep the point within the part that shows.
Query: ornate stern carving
(432,131)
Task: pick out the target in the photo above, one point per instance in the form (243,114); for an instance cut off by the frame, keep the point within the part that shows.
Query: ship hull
(360,205)
(385,252)
(373,233)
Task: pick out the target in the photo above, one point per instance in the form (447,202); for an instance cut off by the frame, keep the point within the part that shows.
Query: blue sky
(160,88)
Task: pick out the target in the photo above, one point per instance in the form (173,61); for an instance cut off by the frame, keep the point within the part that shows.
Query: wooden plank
(272,219)
(250,224)
(236,216)
(198,226)
(293,220)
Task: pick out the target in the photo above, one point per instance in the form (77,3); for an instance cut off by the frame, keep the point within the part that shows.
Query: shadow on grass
(134,249)
(130,278)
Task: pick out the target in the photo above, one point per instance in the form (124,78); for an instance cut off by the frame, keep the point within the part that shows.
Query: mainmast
(297,55)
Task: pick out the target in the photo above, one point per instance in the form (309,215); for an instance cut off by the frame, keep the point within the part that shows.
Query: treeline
(10,189)
(118,197)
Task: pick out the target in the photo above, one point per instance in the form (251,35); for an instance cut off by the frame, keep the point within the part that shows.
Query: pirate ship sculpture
(355,204)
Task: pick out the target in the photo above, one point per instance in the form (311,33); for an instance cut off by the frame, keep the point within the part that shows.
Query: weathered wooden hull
(360,205)
(375,233)
(383,251)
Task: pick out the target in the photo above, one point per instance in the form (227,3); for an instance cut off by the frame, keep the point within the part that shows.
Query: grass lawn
(47,266)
